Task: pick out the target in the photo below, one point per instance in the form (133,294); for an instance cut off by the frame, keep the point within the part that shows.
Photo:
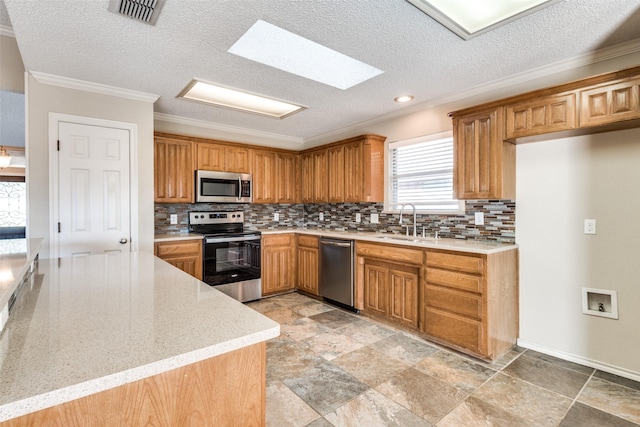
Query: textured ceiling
(80,39)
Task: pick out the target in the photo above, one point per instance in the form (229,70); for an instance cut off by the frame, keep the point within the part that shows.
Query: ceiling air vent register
(141,10)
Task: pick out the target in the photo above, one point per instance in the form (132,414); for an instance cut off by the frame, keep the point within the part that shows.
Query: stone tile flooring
(330,367)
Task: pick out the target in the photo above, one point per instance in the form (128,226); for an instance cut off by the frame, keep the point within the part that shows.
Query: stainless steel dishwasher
(336,278)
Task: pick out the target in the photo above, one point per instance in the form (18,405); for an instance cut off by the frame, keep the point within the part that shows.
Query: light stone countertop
(92,323)
(16,255)
(174,237)
(459,245)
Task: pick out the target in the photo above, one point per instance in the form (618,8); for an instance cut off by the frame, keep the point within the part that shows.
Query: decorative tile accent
(499,218)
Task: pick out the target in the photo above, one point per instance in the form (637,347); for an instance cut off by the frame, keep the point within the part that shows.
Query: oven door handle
(231,239)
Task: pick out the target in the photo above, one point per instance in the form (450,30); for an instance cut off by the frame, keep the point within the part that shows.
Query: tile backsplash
(499,218)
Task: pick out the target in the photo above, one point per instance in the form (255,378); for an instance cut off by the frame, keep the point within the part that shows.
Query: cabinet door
(321,176)
(546,115)
(485,164)
(307,178)
(278,263)
(210,157)
(403,298)
(264,176)
(336,174)
(237,159)
(376,292)
(185,254)
(610,103)
(308,270)
(287,179)
(173,171)
(354,173)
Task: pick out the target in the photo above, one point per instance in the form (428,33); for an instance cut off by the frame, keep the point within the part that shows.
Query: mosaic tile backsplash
(499,218)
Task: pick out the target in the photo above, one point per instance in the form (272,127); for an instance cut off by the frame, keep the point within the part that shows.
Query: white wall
(43,99)
(559,184)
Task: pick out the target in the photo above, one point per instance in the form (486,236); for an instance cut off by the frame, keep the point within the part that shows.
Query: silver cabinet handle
(123,241)
(334,243)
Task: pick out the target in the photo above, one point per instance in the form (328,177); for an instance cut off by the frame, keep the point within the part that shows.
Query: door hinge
(58,145)
(58,227)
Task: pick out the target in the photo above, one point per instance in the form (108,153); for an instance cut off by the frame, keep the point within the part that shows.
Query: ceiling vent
(140,10)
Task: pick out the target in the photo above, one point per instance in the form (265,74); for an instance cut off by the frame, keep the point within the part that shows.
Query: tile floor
(330,367)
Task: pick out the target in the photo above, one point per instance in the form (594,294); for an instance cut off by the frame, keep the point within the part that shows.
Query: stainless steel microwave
(223,187)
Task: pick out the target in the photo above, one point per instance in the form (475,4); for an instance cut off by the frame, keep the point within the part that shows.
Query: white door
(93,190)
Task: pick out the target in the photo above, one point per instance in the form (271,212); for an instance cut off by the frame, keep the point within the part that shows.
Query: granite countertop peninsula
(473,246)
(93,323)
(177,236)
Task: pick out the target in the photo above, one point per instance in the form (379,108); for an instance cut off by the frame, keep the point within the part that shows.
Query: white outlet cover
(173,218)
(358,217)
(321,216)
(374,218)
(589,226)
(276,216)
(479,218)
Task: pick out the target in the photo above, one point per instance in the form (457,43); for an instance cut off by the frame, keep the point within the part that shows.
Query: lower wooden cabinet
(308,264)
(278,263)
(184,254)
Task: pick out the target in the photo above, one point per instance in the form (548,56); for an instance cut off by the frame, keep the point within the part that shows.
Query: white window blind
(422,173)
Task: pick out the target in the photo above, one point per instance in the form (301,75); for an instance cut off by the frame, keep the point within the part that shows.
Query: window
(420,171)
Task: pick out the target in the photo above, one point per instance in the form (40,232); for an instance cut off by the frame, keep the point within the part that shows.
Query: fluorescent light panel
(221,96)
(271,45)
(469,18)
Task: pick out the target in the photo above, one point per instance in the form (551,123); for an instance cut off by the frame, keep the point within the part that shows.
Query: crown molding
(98,88)
(6,30)
(228,129)
(629,48)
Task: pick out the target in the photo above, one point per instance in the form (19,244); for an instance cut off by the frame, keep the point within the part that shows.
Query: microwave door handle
(239,188)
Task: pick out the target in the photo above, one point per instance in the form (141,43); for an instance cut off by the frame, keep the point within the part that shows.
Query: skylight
(271,45)
(238,100)
(469,18)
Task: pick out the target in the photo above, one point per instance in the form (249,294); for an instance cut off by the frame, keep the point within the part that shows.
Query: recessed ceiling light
(403,98)
(471,18)
(271,45)
(235,99)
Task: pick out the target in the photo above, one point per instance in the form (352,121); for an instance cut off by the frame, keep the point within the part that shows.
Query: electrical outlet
(358,217)
(374,218)
(589,226)
(321,216)
(479,218)
(173,219)
(276,216)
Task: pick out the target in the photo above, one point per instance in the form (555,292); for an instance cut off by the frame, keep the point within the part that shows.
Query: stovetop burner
(213,224)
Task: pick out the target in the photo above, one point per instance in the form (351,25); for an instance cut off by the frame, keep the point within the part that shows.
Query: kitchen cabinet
(173,171)
(335,156)
(220,157)
(264,176)
(484,166)
(287,179)
(364,169)
(315,176)
(278,263)
(541,115)
(471,301)
(610,102)
(308,264)
(183,254)
(388,282)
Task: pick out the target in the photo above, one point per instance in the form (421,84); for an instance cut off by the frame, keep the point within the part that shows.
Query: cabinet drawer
(456,330)
(452,279)
(389,253)
(178,249)
(454,301)
(466,263)
(276,240)
(307,241)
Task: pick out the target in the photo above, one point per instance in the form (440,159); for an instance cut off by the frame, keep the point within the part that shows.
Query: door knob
(123,241)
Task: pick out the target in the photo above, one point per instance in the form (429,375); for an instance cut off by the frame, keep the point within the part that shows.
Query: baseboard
(581,360)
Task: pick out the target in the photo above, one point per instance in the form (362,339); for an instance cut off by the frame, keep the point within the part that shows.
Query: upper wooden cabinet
(264,176)
(542,115)
(610,103)
(287,179)
(173,171)
(351,170)
(220,157)
(484,166)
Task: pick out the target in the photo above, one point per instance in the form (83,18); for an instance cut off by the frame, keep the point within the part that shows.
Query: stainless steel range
(231,255)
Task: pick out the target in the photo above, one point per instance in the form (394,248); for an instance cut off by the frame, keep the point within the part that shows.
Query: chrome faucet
(414,218)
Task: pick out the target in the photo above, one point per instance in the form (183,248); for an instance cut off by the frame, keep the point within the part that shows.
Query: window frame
(388,206)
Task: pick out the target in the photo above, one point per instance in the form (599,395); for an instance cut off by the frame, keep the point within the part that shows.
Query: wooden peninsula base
(226,390)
